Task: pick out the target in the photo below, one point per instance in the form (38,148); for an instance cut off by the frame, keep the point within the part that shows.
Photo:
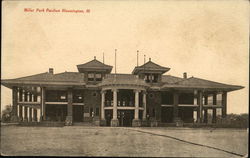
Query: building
(93,94)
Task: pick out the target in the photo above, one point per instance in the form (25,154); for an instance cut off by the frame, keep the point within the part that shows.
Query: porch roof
(123,79)
(65,78)
(197,83)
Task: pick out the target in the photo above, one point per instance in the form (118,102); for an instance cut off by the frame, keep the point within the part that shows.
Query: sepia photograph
(125,78)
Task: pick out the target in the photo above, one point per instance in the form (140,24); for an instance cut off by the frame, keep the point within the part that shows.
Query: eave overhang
(226,88)
(138,70)
(13,82)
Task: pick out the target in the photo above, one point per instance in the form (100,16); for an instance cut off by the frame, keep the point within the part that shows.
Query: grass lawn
(108,141)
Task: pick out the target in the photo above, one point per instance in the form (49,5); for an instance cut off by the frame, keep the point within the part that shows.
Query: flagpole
(144,64)
(115,60)
(137,58)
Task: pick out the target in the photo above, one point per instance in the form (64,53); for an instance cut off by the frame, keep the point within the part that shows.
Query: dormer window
(98,77)
(151,78)
(147,77)
(91,77)
(155,78)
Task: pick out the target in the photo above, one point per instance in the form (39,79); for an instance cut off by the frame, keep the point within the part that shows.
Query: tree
(6,113)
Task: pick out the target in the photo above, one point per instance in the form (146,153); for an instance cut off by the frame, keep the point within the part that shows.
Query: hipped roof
(94,65)
(150,66)
(197,83)
(65,78)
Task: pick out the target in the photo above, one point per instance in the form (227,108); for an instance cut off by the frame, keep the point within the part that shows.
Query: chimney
(51,71)
(184,75)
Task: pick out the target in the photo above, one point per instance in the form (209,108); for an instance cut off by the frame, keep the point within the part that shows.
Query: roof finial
(149,59)
(94,57)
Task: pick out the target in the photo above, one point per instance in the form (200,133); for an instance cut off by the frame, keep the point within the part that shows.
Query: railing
(120,103)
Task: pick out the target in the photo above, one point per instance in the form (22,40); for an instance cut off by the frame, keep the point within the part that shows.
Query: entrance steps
(83,124)
(43,124)
(51,124)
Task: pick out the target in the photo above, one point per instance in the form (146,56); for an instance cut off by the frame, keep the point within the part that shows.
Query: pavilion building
(94,94)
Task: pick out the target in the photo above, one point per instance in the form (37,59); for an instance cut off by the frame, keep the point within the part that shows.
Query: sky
(206,39)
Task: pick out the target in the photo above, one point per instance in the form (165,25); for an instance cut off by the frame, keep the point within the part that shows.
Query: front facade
(93,94)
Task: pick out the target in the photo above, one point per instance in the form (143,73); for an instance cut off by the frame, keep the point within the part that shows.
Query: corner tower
(94,71)
(150,72)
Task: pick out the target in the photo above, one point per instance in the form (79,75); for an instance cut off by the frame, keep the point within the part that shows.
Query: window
(147,78)
(78,96)
(25,96)
(35,98)
(94,94)
(152,77)
(155,78)
(151,95)
(153,112)
(97,111)
(91,77)
(63,97)
(98,77)
(91,112)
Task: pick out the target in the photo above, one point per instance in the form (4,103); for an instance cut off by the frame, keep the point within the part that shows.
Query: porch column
(28,114)
(43,105)
(103,121)
(38,115)
(114,121)
(136,116)
(144,106)
(205,115)
(224,104)
(200,108)
(28,96)
(20,113)
(205,110)
(214,115)
(23,114)
(136,122)
(23,96)
(32,115)
(14,117)
(214,109)
(69,118)
(32,97)
(175,107)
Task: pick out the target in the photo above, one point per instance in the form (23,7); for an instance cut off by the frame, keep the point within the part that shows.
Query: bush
(234,120)
(6,114)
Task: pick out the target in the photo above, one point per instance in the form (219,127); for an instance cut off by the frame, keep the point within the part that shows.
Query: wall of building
(92,103)
(154,104)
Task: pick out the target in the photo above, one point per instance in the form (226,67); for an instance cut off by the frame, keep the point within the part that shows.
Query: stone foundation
(96,121)
(178,122)
(136,123)
(14,118)
(114,122)
(153,122)
(103,122)
(68,121)
(145,123)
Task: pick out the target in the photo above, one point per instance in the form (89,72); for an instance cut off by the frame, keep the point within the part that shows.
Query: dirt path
(184,141)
